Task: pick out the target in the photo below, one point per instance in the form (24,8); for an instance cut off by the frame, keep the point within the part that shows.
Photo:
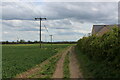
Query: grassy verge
(48,69)
(93,69)
(66,71)
(85,64)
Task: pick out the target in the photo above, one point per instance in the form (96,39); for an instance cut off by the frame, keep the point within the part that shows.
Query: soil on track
(74,66)
(59,68)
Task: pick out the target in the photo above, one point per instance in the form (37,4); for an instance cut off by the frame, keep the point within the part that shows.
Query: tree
(22,41)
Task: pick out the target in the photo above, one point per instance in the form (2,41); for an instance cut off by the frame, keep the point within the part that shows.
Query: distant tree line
(35,42)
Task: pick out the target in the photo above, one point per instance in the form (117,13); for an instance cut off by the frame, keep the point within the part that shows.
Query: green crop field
(17,58)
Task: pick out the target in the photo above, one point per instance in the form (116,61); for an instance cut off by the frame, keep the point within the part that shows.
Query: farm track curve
(73,66)
(34,70)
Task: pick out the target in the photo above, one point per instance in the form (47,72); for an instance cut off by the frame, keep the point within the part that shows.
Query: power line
(51,36)
(46,29)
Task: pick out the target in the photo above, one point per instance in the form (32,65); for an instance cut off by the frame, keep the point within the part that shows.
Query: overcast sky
(66,21)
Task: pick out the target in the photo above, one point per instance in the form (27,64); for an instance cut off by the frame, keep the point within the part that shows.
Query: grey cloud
(70,33)
(69,19)
(84,11)
(30,29)
(18,24)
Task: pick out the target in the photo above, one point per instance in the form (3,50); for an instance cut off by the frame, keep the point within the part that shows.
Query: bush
(103,48)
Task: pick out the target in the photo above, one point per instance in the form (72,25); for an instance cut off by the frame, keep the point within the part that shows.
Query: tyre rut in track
(59,68)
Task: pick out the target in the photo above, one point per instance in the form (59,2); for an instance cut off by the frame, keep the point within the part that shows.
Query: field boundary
(37,68)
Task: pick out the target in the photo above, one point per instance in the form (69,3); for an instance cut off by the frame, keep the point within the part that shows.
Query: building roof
(97,28)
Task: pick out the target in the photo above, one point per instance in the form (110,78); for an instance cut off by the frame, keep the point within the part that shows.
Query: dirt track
(59,69)
(73,66)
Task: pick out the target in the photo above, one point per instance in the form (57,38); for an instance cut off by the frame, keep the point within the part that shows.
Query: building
(101,29)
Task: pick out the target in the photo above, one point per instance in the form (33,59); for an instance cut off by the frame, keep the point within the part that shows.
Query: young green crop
(21,57)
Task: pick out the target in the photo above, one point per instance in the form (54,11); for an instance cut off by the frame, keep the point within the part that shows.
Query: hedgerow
(103,49)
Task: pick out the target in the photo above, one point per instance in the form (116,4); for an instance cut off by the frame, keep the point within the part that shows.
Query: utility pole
(40,27)
(51,38)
